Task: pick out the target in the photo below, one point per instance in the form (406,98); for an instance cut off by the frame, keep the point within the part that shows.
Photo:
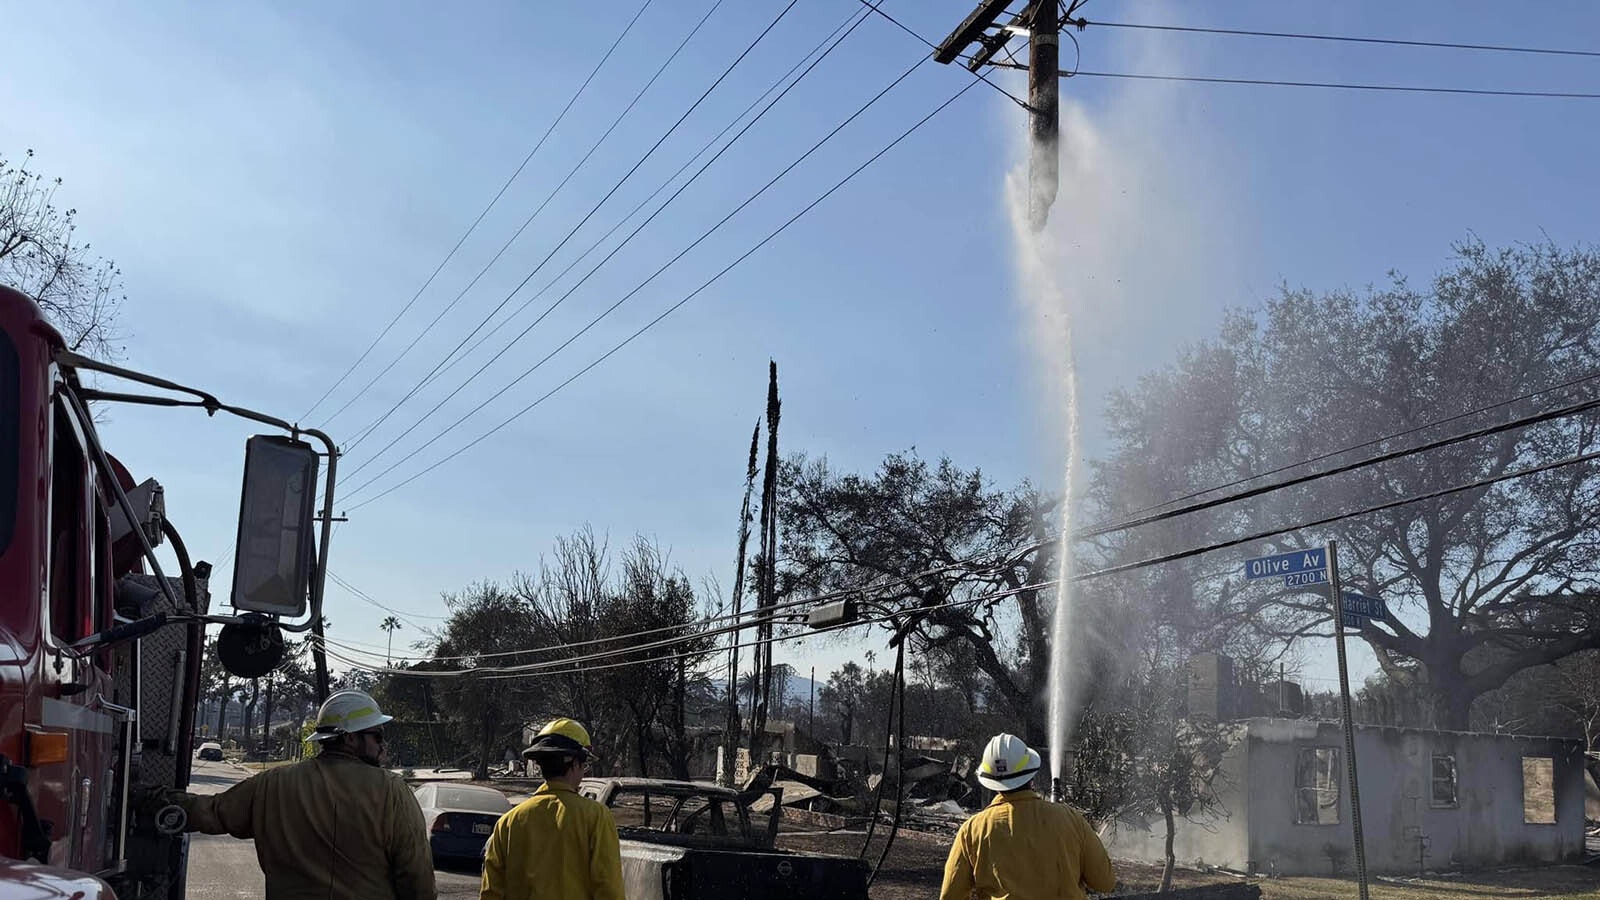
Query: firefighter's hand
(150,800)
(160,807)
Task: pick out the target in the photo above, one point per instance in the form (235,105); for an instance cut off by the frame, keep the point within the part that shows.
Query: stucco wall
(1257,827)
(1484,828)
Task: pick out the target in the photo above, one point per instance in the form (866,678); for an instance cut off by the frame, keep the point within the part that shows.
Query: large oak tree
(1481,584)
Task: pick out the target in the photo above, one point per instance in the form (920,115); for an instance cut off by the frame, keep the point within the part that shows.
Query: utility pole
(1044,117)
(811,717)
(1336,594)
(1041,21)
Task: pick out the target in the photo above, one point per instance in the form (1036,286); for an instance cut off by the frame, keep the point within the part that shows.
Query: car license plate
(482,829)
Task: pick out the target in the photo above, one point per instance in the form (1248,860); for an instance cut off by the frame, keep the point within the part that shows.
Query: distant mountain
(799,689)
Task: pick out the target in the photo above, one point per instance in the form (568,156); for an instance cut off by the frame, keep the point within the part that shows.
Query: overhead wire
(470,229)
(1348,86)
(619,183)
(1349,39)
(543,204)
(1475,434)
(399,613)
(876,7)
(596,268)
(1366,444)
(1328,520)
(668,182)
(764,614)
(580,662)
(974,567)
(696,292)
(555,665)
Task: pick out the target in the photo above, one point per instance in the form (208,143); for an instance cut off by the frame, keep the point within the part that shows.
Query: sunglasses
(375,735)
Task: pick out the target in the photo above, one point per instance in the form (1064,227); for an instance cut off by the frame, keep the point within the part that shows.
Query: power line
(1448,45)
(1222,545)
(1486,431)
(617,186)
(671,309)
(1365,444)
(1387,88)
(969,565)
(401,614)
(972,567)
(877,8)
(637,288)
(607,258)
(364,647)
(468,233)
(555,665)
(543,204)
(1328,520)
(617,226)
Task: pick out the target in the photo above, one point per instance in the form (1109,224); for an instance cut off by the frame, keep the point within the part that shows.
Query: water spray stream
(1052,327)
(1063,698)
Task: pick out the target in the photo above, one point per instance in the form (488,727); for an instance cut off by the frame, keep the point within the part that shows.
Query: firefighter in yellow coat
(558,844)
(336,826)
(1021,847)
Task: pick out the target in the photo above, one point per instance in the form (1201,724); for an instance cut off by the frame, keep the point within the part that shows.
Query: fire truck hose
(134,629)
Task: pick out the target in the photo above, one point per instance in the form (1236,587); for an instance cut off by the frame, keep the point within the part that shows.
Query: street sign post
(1302,568)
(1340,614)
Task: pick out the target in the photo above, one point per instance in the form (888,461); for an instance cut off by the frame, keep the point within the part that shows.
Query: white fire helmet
(1008,764)
(347,712)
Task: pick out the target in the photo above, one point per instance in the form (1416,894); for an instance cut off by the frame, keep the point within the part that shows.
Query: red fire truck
(100,650)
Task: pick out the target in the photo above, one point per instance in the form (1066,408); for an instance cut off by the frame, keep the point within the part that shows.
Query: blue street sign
(1361,605)
(1286,563)
(1351,620)
(1302,579)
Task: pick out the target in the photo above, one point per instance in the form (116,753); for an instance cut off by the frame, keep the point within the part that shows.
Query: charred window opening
(1316,786)
(1538,790)
(1442,784)
(631,809)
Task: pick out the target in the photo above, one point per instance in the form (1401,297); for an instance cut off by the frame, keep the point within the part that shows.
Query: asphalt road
(224,868)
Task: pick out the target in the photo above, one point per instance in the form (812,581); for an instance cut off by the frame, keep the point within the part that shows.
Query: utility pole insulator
(1041,20)
(971,29)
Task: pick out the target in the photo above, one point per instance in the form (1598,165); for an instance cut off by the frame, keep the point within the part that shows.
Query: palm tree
(389,624)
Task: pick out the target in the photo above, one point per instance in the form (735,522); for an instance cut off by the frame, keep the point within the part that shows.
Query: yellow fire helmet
(562,737)
(1008,764)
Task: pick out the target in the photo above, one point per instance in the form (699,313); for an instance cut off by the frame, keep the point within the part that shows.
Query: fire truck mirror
(277,512)
(250,647)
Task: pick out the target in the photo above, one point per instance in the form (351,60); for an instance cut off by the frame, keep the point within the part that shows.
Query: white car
(460,818)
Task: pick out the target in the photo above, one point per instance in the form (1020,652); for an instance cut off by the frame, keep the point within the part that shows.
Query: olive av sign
(1298,569)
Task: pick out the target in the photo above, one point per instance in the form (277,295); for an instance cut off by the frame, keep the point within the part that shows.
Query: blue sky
(276,182)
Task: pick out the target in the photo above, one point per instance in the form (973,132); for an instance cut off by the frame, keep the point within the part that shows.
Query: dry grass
(1566,882)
